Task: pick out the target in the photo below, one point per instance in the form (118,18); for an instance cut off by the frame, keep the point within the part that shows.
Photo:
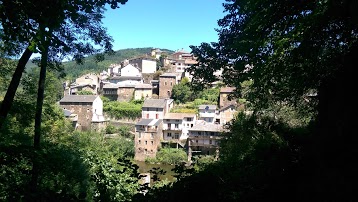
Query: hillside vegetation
(74,70)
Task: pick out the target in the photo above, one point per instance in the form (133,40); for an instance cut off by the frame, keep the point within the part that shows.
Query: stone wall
(166,86)
(84,112)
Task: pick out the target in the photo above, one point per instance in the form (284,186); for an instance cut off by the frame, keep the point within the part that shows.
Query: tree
(290,49)
(55,29)
(181,92)
(70,27)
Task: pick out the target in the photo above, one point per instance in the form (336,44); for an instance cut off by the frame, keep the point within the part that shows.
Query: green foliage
(169,156)
(202,161)
(120,110)
(7,68)
(83,165)
(110,129)
(91,65)
(210,94)
(181,92)
(183,110)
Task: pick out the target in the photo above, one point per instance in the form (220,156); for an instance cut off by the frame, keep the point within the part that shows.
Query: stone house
(88,82)
(142,91)
(166,83)
(224,98)
(227,113)
(125,92)
(156,108)
(148,133)
(110,91)
(89,109)
(176,126)
(204,139)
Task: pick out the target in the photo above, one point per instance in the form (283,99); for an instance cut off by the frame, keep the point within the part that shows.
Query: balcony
(203,137)
(172,128)
(200,144)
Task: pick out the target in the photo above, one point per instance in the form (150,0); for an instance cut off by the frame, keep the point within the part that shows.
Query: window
(157,116)
(145,151)
(196,141)
(171,83)
(147,116)
(152,142)
(188,119)
(169,125)
(199,133)
(176,125)
(176,120)
(139,135)
(146,142)
(210,142)
(165,83)
(139,141)
(176,136)
(191,125)
(211,133)
(168,93)
(151,136)
(169,134)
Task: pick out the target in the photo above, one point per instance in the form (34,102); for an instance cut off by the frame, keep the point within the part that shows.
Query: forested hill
(74,70)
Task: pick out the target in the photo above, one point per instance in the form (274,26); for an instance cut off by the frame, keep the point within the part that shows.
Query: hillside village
(134,79)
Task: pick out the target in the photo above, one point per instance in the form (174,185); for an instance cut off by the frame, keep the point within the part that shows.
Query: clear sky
(171,24)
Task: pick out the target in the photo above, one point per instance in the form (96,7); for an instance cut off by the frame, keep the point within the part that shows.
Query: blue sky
(171,24)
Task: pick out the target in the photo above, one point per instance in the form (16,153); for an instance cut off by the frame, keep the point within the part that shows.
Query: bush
(119,110)
(169,156)
(110,129)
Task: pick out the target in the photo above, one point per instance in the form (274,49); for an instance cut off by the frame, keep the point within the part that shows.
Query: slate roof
(110,86)
(78,98)
(227,89)
(149,122)
(211,127)
(122,78)
(154,103)
(169,75)
(178,115)
(234,104)
(144,85)
(210,106)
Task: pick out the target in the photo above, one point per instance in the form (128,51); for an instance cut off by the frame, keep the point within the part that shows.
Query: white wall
(97,110)
(152,113)
(149,66)
(130,70)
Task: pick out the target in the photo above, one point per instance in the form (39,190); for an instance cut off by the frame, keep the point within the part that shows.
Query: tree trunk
(15,81)
(40,97)
(38,117)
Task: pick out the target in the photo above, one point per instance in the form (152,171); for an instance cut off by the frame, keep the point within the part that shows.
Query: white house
(130,70)
(208,113)
(176,126)
(146,65)
(156,108)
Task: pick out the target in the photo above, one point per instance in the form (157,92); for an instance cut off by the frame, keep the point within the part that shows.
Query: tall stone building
(89,109)
(225,96)
(166,83)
